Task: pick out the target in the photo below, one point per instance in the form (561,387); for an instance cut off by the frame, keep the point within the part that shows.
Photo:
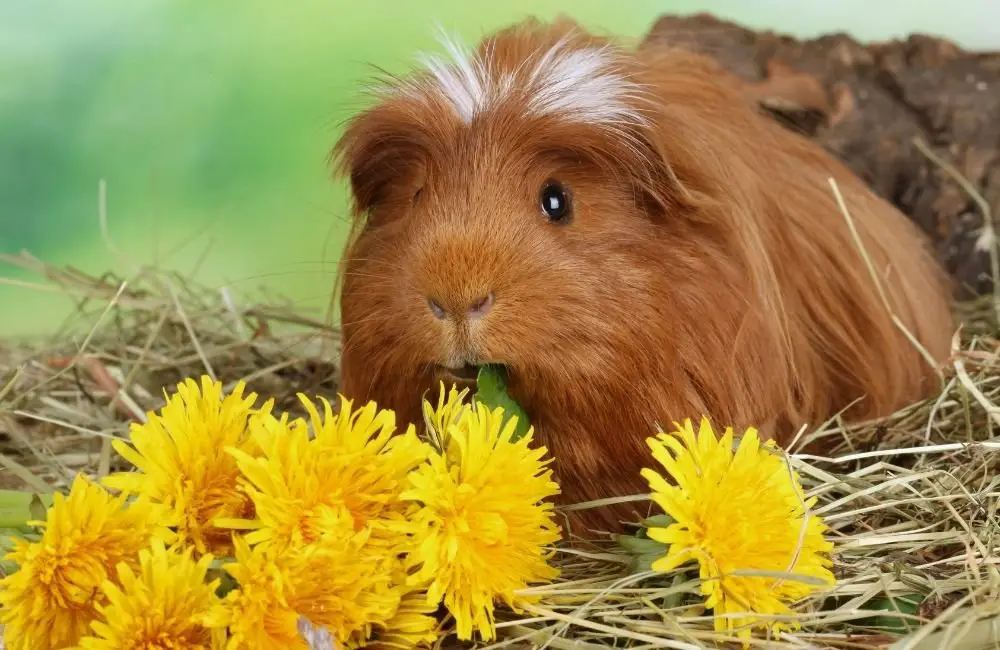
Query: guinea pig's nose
(436,309)
(480,306)
(477,308)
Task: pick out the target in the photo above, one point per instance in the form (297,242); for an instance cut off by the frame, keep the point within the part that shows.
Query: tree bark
(916,119)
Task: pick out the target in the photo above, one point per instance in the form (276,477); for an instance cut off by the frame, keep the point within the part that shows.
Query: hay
(911,501)
(65,397)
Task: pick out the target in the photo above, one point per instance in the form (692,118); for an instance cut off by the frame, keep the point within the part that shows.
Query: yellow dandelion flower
(51,599)
(183,463)
(356,463)
(412,625)
(256,615)
(450,407)
(161,608)
(737,512)
(329,585)
(486,524)
(345,589)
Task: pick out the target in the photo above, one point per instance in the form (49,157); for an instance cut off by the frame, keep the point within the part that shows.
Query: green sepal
(657,521)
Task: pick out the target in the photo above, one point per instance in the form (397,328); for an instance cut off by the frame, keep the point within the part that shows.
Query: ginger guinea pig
(634,241)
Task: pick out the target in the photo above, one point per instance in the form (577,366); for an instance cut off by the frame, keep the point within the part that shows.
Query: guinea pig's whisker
(374,318)
(374,276)
(376,262)
(280,274)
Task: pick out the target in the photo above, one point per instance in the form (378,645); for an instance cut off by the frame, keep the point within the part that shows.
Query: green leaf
(906,605)
(18,507)
(491,391)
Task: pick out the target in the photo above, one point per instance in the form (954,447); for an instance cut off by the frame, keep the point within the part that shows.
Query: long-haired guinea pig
(634,242)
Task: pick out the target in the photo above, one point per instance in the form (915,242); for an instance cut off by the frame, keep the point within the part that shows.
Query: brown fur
(707,270)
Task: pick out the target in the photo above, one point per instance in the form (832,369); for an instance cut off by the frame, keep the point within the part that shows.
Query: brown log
(870,105)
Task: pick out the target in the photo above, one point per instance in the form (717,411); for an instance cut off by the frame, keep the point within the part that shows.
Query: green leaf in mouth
(491,391)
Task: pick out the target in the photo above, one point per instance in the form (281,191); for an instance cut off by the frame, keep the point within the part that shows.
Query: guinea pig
(635,242)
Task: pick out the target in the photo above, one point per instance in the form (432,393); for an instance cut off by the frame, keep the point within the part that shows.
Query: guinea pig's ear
(650,167)
(379,149)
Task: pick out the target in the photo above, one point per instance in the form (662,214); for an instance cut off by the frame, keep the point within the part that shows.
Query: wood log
(918,119)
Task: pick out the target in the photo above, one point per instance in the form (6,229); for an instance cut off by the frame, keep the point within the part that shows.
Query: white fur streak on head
(583,84)
(465,82)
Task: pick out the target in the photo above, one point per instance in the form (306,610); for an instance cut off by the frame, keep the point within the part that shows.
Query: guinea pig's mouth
(464,376)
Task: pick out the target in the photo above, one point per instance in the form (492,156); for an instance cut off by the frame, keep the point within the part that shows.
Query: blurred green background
(210,122)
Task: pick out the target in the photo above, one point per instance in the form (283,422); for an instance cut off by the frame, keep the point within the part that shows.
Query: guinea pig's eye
(555,202)
(416,195)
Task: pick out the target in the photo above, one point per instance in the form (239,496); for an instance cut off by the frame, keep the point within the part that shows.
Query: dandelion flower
(51,599)
(356,463)
(450,407)
(734,512)
(256,615)
(183,463)
(326,584)
(412,625)
(161,608)
(485,524)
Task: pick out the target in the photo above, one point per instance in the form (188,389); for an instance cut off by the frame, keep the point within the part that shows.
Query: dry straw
(912,501)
